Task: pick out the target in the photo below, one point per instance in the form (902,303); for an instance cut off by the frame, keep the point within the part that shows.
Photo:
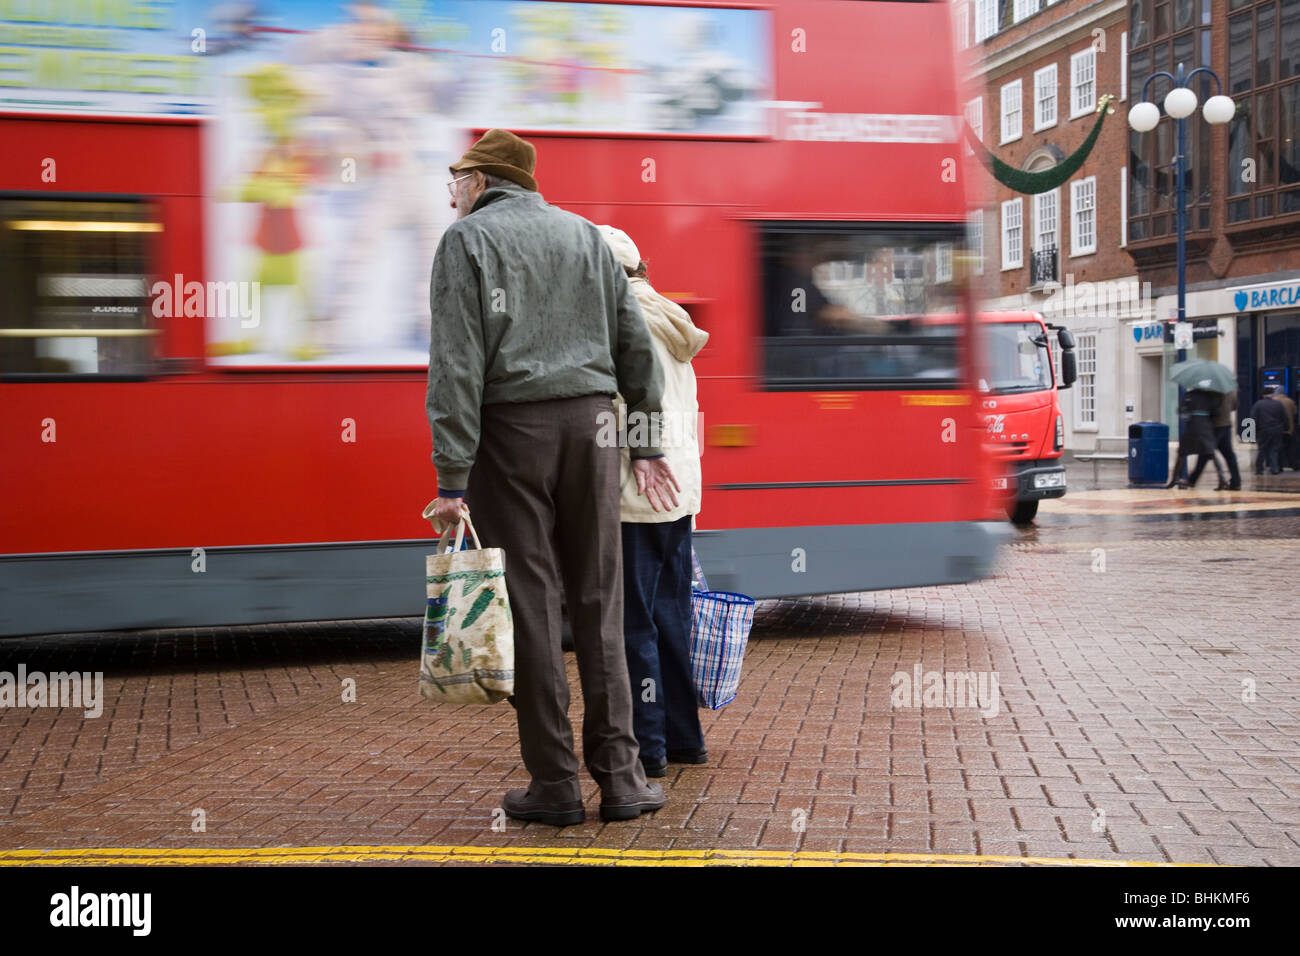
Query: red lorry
(1025,431)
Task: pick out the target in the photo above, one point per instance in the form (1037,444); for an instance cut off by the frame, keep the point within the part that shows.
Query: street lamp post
(1143,117)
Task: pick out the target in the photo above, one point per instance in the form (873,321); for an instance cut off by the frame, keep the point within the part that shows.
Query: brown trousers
(545,491)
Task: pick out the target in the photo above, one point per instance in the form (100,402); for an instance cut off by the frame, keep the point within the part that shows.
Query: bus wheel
(1022,512)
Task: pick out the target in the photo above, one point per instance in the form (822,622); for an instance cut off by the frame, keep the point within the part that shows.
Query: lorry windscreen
(1016,358)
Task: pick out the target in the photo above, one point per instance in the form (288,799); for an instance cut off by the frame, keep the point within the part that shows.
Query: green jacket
(528,304)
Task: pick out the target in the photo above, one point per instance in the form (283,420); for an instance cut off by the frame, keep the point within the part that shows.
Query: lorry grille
(1010,449)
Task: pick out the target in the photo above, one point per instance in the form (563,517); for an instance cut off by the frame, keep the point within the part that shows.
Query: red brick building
(1036,71)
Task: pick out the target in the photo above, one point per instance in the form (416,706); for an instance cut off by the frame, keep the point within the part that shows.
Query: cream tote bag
(467,655)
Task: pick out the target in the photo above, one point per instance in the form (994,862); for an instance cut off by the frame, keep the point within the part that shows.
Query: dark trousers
(1270,452)
(1223,441)
(1197,439)
(543,489)
(657,636)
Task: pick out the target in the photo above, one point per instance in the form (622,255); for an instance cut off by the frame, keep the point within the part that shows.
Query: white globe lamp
(1219,110)
(1180,103)
(1143,117)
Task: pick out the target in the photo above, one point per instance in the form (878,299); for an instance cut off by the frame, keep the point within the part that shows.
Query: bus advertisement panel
(332,134)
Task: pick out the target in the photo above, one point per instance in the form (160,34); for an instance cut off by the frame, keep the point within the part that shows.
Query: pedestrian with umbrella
(1206,383)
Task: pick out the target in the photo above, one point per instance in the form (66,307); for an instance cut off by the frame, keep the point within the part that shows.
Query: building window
(1086,356)
(976,230)
(1011,99)
(1023,8)
(962,24)
(943,262)
(1046,207)
(1083,216)
(1045,98)
(1159,39)
(1013,240)
(986,19)
(975,119)
(1264,137)
(1083,82)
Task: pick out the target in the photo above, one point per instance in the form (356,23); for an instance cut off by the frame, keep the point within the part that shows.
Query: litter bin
(1148,453)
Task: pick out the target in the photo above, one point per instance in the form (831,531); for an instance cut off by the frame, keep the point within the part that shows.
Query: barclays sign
(1277,296)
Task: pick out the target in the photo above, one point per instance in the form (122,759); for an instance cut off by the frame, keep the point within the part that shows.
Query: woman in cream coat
(657,544)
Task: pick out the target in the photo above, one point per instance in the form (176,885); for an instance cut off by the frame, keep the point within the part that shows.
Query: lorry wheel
(1022,512)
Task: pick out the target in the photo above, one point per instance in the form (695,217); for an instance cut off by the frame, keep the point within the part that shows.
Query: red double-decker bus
(801,206)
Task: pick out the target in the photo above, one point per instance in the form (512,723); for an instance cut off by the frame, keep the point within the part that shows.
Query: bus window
(73,287)
(855,306)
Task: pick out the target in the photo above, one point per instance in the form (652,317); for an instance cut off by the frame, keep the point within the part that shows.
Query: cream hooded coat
(676,341)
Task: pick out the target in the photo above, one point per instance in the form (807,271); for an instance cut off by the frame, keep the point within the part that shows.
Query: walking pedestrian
(1270,426)
(1197,438)
(1223,423)
(657,544)
(1287,453)
(534,330)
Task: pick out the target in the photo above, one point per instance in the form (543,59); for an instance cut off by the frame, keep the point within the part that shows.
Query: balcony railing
(1042,266)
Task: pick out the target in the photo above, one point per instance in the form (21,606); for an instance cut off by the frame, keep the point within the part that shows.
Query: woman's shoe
(692,755)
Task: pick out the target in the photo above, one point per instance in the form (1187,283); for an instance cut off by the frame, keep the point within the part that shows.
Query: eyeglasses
(451,186)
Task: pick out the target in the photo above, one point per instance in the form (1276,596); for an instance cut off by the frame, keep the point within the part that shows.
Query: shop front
(1260,326)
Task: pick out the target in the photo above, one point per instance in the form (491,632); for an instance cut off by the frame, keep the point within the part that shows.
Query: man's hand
(655,480)
(446,513)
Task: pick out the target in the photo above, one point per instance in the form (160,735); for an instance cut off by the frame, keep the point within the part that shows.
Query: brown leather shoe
(520,806)
(632,805)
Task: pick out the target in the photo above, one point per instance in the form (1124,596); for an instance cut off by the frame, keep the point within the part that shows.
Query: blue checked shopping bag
(719,632)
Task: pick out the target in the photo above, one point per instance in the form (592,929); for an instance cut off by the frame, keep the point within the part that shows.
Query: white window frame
(1123,206)
(975,120)
(1013,250)
(1023,9)
(1052,200)
(1039,101)
(1013,91)
(976,228)
(1123,66)
(962,15)
(1080,107)
(1085,386)
(986,19)
(1076,209)
(943,262)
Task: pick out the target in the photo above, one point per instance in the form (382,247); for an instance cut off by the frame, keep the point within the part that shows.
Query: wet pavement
(1147,709)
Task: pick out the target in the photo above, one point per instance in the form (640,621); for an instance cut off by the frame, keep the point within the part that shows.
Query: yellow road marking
(270,856)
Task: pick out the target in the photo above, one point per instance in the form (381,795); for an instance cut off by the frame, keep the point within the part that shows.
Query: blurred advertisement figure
(376,116)
(534,330)
(657,544)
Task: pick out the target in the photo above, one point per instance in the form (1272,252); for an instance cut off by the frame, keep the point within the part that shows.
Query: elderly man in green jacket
(535,328)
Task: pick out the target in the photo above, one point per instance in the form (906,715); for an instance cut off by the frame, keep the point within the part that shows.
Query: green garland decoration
(1022,181)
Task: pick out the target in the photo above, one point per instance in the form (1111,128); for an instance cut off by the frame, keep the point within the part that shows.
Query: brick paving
(1148,711)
